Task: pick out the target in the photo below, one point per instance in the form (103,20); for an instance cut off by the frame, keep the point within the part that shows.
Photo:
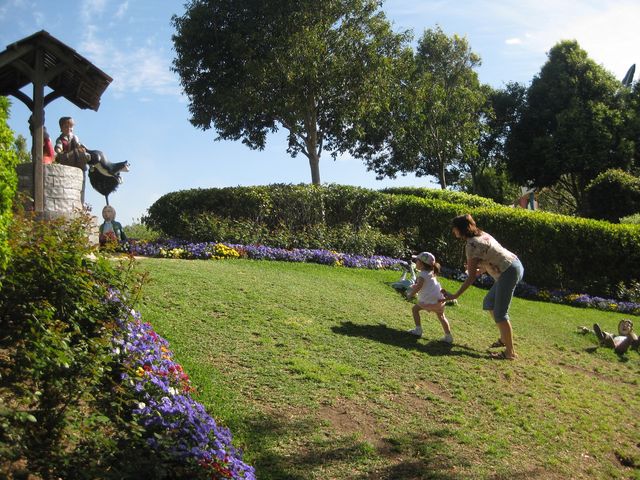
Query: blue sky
(143,116)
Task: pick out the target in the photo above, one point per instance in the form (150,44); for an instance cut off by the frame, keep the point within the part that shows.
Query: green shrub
(366,240)
(57,362)
(296,206)
(557,251)
(8,180)
(140,232)
(631,219)
(450,196)
(613,194)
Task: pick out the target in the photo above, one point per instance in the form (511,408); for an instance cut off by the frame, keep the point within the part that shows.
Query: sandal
(497,344)
(501,356)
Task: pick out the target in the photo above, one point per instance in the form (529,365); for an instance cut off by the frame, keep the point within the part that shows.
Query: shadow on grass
(622,357)
(290,449)
(399,338)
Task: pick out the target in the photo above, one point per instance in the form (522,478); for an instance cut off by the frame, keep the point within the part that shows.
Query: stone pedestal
(63,187)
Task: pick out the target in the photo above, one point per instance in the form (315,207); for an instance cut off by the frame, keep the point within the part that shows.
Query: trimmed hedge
(450,196)
(274,206)
(8,180)
(557,251)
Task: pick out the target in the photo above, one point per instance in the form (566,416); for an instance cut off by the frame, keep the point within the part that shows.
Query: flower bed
(206,251)
(175,425)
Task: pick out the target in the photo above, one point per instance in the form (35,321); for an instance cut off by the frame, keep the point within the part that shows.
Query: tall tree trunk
(313,141)
(441,175)
(314,164)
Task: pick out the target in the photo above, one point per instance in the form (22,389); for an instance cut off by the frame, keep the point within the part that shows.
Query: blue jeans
(500,294)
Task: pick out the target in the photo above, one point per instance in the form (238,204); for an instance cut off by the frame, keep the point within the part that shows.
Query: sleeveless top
(492,256)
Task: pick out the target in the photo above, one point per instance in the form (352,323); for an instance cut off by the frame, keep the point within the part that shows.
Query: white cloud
(89,9)
(606,30)
(135,69)
(122,9)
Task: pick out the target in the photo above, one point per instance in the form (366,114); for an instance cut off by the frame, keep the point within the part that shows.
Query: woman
(485,254)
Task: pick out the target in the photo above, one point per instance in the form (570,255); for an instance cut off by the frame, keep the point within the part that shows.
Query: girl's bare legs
(415,310)
(445,323)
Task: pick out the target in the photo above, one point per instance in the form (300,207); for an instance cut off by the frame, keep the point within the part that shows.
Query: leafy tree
(571,126)
(434,123)
(491,182)
(312,68)
(20,147)
(486,174)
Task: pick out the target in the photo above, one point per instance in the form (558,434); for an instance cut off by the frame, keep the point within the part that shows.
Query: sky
(143,115)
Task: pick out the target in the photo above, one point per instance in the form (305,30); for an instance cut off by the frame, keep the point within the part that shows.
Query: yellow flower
(221,251)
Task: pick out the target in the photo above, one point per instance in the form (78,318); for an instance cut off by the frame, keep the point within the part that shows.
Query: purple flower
(175,423)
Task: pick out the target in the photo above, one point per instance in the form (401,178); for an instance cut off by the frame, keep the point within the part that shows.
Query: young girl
(430,297)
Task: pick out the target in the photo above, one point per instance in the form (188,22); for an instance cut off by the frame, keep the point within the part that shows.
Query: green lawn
(312,370)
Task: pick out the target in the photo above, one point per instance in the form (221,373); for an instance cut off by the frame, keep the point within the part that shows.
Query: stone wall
(63,193)
(62,188)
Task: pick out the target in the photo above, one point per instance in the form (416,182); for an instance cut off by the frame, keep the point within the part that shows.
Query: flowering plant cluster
(328,257)
(211,250)
(220,251)
(175,424)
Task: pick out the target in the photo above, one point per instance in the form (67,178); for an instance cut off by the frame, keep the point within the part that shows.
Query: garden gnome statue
(111,232)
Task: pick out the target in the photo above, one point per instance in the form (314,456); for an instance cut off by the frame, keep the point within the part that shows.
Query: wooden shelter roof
(67,73)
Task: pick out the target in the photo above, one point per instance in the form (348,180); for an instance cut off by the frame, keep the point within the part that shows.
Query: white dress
(430,292)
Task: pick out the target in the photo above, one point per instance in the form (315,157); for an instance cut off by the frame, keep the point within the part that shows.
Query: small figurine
(111,232)
(68,149)
(621,342)
(408,269)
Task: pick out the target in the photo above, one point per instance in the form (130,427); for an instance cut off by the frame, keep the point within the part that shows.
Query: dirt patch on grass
(351,418)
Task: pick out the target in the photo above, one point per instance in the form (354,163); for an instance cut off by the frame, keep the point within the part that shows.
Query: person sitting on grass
(621,342)
(429,294)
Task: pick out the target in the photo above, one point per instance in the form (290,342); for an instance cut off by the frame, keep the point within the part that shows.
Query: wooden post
(38,123)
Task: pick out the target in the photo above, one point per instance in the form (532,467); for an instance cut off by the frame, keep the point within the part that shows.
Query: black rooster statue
(104,175)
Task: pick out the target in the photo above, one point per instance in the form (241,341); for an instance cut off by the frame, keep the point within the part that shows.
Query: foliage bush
(557,251)
(138,231)
(86,389)
(296,206)
(206,227)
(631,219)
(450,196)
(57,333)
(613,194)
(8,180)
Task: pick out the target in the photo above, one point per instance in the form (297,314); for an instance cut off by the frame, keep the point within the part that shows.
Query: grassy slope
(311,369)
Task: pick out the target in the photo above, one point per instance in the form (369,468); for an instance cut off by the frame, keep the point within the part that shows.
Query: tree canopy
(433,124)
(312,68)
(571,126)
(486,174)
